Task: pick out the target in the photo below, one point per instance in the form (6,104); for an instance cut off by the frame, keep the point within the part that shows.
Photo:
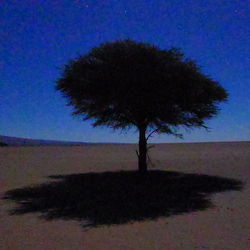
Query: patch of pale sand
(30,165)
(226,226)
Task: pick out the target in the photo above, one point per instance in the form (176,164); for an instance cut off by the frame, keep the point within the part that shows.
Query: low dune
(195,196)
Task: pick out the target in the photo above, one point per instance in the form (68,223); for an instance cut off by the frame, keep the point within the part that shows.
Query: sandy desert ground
(223,225)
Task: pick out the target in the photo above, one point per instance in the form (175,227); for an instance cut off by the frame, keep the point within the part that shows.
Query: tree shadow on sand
(119,197)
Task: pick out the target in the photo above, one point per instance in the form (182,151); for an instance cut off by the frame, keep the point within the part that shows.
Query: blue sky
(39,37)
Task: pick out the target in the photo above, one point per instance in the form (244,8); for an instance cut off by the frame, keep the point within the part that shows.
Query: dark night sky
(39,37)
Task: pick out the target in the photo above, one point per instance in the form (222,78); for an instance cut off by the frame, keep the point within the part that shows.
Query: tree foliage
(125,83)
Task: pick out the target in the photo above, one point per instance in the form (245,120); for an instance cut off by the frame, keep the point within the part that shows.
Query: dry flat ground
(224,225)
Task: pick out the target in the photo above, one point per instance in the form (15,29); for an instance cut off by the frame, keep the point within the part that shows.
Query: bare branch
(152,133)
(137,153)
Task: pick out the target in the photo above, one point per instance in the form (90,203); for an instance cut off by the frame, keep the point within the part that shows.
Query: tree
(126,84)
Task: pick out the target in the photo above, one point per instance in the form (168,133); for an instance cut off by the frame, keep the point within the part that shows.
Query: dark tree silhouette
(126,84)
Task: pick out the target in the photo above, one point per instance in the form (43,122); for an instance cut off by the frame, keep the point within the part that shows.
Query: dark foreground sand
(226,225)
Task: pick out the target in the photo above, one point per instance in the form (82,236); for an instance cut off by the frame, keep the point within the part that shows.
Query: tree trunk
(142,157)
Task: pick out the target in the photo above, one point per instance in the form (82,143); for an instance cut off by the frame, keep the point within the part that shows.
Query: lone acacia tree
(126,84)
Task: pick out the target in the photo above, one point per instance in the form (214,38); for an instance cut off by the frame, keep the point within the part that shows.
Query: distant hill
(3,144)
(16,141)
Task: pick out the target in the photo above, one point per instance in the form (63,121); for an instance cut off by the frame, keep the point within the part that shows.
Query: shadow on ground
(119,197)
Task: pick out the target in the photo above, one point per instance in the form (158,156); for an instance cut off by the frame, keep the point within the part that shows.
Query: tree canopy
(125,83)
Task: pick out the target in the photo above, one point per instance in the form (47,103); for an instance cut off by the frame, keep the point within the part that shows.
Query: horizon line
(87,142)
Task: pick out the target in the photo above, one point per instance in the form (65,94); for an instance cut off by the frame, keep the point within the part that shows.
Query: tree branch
(137,153)
(151,134)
